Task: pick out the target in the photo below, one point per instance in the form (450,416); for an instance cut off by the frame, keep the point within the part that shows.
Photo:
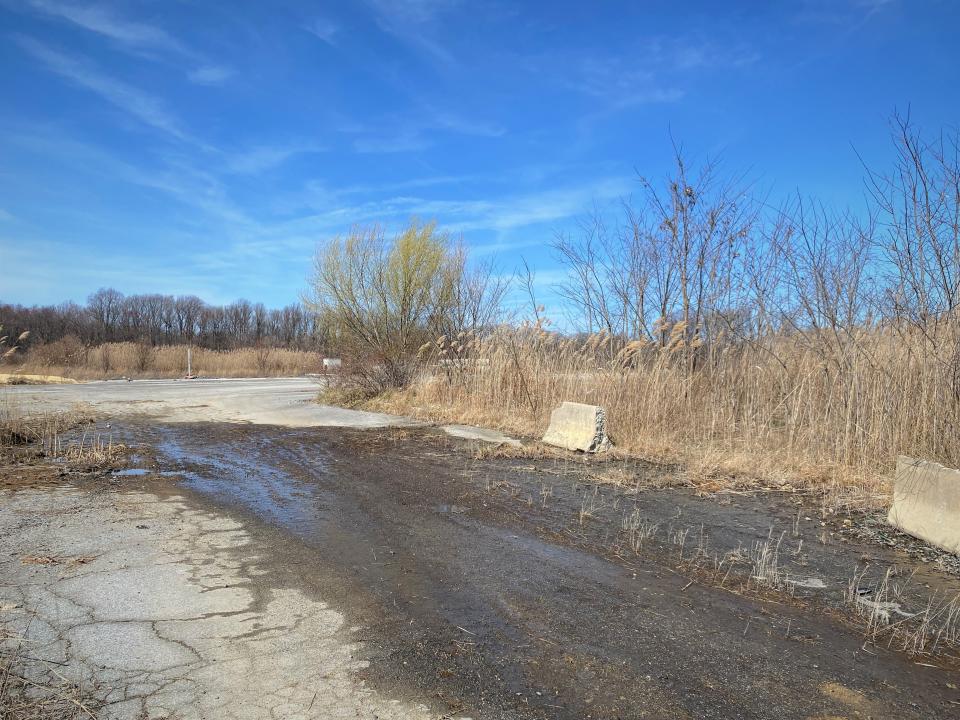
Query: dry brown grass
(135,360)
(796,413)
(35,436)
(18,427)
(32,688)
(920,631)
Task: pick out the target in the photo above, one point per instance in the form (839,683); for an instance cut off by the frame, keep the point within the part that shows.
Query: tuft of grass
(638,530)
(20,428)
(925,631)
(47,435)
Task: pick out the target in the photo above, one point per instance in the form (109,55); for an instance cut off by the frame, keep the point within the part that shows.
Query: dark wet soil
(510,589)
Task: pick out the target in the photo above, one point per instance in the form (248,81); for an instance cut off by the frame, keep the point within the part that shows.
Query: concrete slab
(576,426)
(289,402)
(926,502)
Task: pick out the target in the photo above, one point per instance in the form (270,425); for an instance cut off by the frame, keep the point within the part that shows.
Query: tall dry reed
(139,360)
(797,410)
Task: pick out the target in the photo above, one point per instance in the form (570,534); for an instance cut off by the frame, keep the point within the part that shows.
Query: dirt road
(272,558)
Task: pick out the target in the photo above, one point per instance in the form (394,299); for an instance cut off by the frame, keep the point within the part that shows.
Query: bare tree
(676,260)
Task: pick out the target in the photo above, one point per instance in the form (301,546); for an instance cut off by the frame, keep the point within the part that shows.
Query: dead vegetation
(68,439)
(70,359)
(33,689)
(48,443)
(922,631)
(891,611)
(742,419)
(793,348)
(607,507)
(8,346)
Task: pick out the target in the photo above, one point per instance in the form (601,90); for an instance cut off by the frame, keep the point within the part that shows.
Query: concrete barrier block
(926,502)
(576,426)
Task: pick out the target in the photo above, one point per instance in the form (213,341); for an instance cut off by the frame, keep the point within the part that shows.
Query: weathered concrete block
(576,426)
(926,502)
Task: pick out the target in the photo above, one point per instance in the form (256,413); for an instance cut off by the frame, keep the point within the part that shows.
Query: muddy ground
(508,589)
(258,559)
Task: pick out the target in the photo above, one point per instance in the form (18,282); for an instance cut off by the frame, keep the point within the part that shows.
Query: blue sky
(184,147)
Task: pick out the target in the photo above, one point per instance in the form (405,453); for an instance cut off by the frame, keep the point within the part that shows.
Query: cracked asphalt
(279,559)
(155,606)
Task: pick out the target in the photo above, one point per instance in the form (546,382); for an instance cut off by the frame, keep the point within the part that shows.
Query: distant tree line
(154,319)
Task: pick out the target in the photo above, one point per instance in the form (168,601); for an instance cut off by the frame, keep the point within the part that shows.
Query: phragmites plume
(6,350)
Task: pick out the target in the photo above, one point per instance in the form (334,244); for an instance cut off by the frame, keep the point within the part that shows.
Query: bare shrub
(143,355)
(69,351)
(262,354)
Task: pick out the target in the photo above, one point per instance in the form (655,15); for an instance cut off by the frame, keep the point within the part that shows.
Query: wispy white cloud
(419,133)
(100,20)
(413,12)
(621,84)
(333,210)
(400,142)
(874,5)
(841,12)
(266,157)
(685,54)
(325,29)
(138,37)
(210,75)
(242,245)
(82,73)
(37,270)
(415,23)
(175,175)
(524,210)
(650,70)
(445,120)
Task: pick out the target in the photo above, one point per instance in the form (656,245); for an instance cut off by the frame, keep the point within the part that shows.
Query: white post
(189,368)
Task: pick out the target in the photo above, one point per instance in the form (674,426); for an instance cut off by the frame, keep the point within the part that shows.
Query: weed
(925,631)
(638,530)
(590,503)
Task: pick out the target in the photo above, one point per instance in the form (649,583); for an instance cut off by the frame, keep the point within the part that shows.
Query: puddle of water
(238,476)
(130,472)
